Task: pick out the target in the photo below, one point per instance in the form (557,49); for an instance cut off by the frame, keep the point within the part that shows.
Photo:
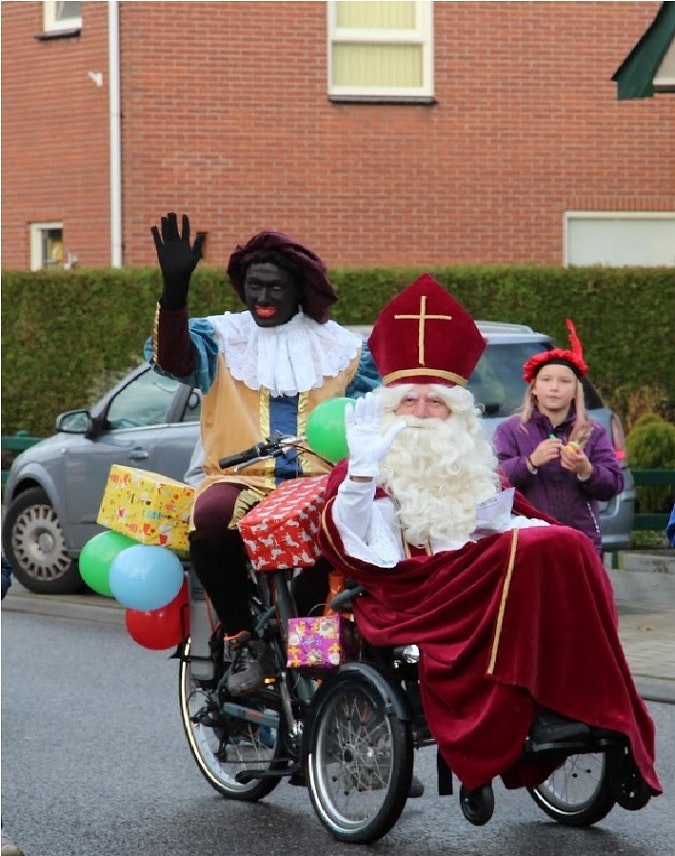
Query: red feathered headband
(573,358)
(317,292)
(423,335)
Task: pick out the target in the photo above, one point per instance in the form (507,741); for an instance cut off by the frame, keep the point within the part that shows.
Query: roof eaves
(635,75)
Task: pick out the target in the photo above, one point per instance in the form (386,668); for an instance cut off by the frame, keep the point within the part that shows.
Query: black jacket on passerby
(6,575)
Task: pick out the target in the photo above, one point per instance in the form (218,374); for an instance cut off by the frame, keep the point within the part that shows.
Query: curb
(75,606)
(659,690)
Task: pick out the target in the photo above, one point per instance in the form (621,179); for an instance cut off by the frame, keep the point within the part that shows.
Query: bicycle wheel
(578,793)
(242,744)
(359,763)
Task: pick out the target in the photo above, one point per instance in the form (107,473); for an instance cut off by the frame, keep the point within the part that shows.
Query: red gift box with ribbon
(280,531)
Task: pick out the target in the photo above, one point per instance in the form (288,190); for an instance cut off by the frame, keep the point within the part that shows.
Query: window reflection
(145,401)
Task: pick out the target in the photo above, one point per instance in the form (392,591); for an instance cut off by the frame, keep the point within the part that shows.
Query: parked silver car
(54,489)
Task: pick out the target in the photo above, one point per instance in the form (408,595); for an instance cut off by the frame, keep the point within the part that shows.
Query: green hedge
(67,335)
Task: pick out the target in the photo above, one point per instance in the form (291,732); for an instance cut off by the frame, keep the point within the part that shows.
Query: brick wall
(55,144)
(225,116)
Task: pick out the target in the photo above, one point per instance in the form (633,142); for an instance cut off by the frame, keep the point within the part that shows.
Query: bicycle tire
(579,793)
(360,761)
(220,759)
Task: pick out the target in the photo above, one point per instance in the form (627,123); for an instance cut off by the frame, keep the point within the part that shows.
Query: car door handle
(139,454)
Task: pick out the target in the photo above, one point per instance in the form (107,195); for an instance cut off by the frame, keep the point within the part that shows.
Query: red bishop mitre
(423,335)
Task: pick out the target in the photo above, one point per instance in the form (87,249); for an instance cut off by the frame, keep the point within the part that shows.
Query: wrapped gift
(280,531)
(320,642)
(148,507)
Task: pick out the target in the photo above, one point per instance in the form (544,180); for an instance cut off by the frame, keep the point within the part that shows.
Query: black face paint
(271,293)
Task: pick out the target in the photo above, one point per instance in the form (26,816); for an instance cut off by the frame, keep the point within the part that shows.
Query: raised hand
(177,259)
(365,441)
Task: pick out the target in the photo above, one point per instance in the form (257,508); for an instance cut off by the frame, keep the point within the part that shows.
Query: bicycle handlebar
(270,448)
(242,457)
(344,598)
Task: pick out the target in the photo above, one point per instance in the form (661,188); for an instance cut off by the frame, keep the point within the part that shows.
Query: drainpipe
(115,135)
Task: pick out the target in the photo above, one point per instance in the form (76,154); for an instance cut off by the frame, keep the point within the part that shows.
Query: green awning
(635,76)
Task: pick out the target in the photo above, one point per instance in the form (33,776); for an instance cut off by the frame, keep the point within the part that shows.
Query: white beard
(438,469)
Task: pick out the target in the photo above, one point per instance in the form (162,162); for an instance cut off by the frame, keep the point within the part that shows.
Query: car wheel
(33,541)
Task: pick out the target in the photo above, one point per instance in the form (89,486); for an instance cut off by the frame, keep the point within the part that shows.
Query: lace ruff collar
(294,357)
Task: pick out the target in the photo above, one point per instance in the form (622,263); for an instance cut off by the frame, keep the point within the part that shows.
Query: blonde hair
(582,426)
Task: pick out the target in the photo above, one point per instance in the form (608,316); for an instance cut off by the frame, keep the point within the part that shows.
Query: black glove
(177,259)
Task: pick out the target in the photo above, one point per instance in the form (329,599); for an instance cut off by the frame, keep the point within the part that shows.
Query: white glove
(367,445)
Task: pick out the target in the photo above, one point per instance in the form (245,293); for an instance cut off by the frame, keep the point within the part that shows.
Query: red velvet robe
(506,626)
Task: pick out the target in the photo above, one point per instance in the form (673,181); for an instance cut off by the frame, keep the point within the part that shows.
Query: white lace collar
(294,357)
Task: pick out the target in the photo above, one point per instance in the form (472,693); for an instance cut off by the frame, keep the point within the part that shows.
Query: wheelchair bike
(349,733)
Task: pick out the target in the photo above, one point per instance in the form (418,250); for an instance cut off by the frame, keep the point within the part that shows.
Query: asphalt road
(94,763)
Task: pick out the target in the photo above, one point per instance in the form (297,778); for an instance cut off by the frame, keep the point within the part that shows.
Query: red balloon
(159,629)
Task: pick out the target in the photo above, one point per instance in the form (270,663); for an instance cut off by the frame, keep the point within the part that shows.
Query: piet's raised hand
(177,259)
(367,445)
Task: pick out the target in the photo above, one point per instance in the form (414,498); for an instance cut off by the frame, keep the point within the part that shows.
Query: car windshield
(145,401)
(497,382)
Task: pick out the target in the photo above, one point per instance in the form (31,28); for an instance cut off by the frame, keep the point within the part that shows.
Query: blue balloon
(145,577)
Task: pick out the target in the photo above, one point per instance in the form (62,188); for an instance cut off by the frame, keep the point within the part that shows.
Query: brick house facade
(225,115)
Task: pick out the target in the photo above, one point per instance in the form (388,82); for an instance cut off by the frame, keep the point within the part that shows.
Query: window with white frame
(59,15)
(380,50)
(618,238)
(46,246)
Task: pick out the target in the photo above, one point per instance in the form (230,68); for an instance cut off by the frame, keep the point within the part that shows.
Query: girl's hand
(573,459)
(547,450)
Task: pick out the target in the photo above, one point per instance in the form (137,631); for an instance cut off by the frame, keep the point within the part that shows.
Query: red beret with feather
(574,358)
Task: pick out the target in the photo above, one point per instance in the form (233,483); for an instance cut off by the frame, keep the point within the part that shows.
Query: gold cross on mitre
(422,318)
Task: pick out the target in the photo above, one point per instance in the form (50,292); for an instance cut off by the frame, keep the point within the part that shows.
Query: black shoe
(477,805)
(246,674)
(550,727)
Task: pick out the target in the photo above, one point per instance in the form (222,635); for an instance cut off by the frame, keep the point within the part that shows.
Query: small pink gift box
(320,642)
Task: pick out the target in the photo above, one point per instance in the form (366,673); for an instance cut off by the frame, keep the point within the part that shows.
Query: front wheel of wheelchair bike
(359,762)
(579,793)
(219,756)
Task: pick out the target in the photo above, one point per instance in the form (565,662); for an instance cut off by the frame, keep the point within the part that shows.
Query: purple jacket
(552,489)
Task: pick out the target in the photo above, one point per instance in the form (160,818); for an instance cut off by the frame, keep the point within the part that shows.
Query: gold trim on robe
(502,605)
(247,499)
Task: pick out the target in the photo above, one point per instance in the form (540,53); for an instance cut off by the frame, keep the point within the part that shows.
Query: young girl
(552,452)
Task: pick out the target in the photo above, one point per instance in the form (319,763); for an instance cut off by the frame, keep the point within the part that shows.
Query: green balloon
(325,430)
(96,557)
